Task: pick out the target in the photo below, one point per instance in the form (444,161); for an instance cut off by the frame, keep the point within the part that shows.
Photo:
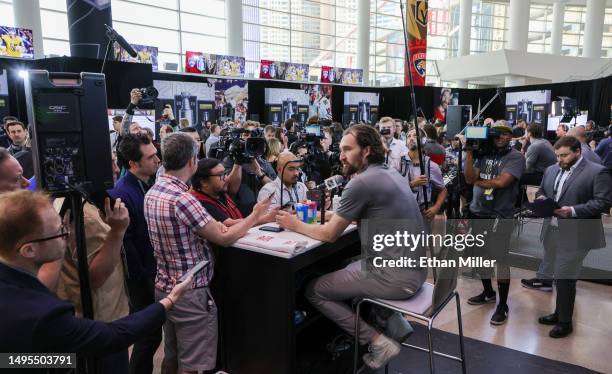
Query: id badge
(488,193)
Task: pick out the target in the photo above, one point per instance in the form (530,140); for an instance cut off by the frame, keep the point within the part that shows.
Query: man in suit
(35,320)
(583,191)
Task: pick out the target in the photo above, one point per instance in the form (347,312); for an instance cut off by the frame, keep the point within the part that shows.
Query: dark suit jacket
(589,191)
(138,249)
(35,320)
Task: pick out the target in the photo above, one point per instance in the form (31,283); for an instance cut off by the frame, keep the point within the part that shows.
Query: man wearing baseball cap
(495,177)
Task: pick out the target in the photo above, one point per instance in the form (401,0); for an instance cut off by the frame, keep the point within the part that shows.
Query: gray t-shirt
(381,193)
(539,156)
(498,202)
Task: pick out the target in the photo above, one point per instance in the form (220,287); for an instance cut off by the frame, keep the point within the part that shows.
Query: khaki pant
(191,330)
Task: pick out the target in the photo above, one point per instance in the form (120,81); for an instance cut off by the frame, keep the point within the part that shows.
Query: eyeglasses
(64,233)
(221,175)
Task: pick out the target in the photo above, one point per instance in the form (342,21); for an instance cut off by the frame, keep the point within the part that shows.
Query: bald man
(11,173)
(579,132)
(294,191)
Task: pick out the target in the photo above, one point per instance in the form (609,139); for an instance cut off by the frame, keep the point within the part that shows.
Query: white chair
(425,305)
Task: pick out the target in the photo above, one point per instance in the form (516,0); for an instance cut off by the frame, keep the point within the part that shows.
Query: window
(318,33)
(387,50)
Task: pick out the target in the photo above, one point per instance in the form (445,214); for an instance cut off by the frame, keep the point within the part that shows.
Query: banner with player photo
(341,75)
(145,54)
(288,71)
(207,63)
(16,42)
(417,40)
(443,97)
(319,100)
(231,99)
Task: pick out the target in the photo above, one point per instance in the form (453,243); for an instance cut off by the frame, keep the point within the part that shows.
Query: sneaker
(381,352)
(500,316)
(537,284)
(482,299)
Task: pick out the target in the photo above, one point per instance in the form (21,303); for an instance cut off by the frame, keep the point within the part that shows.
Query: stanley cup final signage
(417,40)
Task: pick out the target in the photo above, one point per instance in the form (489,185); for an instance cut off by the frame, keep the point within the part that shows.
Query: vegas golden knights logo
(420,12)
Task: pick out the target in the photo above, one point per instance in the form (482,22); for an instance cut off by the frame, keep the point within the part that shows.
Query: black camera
(385,131)
(242,151)
(481,140)
(149,95)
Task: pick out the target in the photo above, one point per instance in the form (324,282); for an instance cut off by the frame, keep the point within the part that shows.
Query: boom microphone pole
(413,102)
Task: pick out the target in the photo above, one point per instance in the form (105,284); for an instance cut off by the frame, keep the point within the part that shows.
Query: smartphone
(194,270)
(97,199)
(271,228)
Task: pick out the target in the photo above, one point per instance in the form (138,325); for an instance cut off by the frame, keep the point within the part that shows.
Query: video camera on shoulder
(241,150)
(480,140)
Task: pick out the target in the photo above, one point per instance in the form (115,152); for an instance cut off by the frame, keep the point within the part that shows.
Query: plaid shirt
(173,217)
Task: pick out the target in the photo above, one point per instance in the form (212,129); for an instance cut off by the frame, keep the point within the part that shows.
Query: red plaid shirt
(173,217)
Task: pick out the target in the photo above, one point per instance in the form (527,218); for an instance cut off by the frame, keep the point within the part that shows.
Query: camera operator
(394,148)
(35,320)
(375,192)
(181,231)
(167,117)
(245,179)
(135,97)
(436,191)
(495,178)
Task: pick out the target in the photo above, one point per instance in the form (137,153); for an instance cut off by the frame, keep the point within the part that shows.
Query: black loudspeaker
(457,116)
(71,143)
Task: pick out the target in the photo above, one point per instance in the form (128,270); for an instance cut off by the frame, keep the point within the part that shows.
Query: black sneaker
(500,316)
(537,284)
(482,299)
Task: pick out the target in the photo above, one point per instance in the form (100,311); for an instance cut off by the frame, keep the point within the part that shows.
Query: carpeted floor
(481,358)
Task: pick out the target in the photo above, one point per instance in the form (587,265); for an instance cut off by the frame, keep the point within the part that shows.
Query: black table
(257,295)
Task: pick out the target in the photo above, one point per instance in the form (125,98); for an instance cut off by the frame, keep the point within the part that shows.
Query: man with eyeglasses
(294,191)
(35,320)
(209,186)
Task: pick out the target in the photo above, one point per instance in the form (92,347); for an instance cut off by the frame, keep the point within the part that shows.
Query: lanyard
(297,197)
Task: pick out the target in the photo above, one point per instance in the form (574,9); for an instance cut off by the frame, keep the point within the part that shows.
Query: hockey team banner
(417,40)
(16,42)
(341,75)
(283,70)
(144,54)
(206,63)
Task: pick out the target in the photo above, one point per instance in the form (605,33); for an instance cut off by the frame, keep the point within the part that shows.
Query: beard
(412,147)
(350,169)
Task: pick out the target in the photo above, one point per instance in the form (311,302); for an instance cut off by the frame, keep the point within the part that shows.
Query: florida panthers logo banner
(417,40)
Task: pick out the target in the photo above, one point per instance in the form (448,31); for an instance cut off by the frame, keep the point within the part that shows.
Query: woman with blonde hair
(274,149)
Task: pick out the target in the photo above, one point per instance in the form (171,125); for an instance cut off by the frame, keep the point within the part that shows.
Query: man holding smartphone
(293,190)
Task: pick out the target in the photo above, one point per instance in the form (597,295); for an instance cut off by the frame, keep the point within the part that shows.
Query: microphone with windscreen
(332,183)
(114,35)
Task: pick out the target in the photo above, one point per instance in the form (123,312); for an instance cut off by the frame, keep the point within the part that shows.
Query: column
(233,27)
(363,39)
(27,16)
(557,27)
(86,31)
(593,28)
(519,24)
(465,30)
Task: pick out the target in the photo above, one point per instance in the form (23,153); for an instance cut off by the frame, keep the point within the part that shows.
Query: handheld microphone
(122,42)
(332,183)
